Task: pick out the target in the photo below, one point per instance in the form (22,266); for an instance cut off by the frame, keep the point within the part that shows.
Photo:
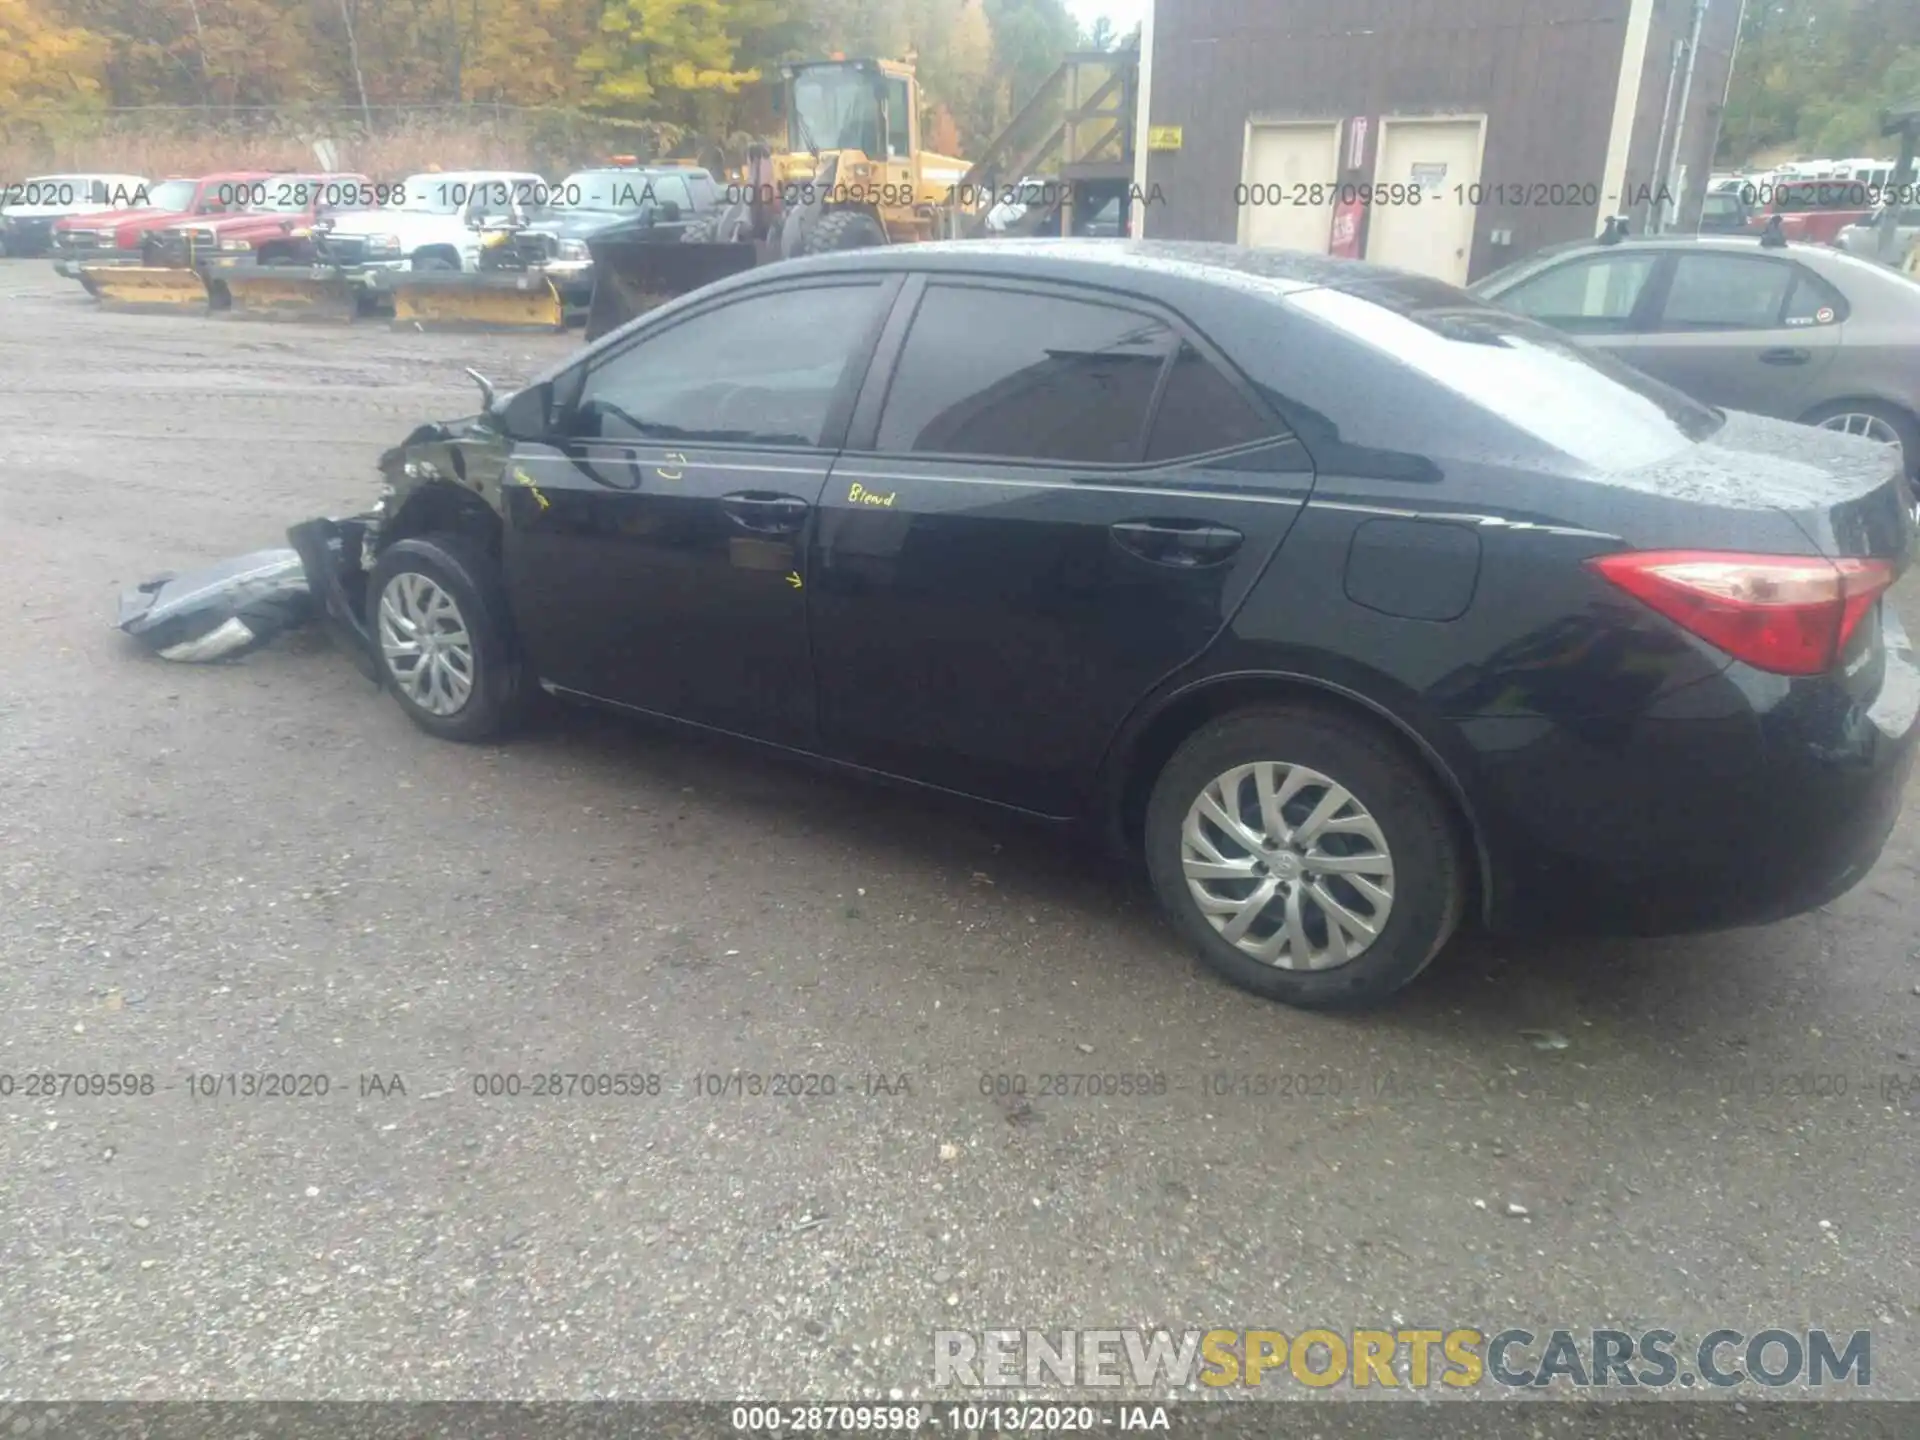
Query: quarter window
(764,370)
(1201,412)
(1024,376)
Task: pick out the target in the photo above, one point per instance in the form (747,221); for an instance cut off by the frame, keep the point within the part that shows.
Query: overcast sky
(1124,14)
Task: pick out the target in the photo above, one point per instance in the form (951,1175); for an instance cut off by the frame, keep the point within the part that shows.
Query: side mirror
(524,414)
(669,212)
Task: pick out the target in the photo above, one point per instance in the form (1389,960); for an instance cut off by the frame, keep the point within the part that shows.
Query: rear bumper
(1747,799)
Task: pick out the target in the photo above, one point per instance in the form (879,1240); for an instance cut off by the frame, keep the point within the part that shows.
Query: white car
(29,207)
(433,221)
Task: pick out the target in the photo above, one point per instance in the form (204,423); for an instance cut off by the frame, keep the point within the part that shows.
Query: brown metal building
(1445,136)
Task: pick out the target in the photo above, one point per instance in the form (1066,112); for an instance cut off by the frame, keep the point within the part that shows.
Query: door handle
(766,513)
(1186,544)
(1785,355)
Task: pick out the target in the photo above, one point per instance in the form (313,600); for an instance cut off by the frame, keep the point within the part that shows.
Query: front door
(1048,504)
(656,551)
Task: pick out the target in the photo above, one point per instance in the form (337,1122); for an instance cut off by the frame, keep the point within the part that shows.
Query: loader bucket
(146,287)
(494,300)
(631,277)
(286,292)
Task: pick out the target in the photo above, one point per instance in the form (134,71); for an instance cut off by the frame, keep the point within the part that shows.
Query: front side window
(764,370)
(1594,295)
(1024,376)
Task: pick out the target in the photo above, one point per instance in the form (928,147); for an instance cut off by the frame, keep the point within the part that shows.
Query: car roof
(1142,265)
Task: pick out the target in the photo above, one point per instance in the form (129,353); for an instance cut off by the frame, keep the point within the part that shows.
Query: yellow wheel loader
(852,173)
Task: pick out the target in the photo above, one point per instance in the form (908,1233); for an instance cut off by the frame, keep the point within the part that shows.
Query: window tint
(1201,412)
(1726,292)
(1593,296)
(992,372)
(763,370)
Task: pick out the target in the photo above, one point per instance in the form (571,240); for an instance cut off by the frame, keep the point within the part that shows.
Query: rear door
(1742,331)
(1050,500)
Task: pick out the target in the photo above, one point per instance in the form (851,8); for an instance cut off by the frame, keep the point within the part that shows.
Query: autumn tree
(43,60)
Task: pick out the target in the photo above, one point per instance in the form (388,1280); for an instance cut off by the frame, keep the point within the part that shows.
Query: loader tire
(843,230)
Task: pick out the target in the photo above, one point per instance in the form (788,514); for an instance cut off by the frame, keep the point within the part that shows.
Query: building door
(1289,186)
(1435,236)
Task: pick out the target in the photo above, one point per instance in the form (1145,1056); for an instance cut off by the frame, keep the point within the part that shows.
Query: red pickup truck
(275,228)
(1810,211)
(117,236)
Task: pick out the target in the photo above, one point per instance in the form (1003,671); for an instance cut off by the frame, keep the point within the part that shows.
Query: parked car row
(433,220)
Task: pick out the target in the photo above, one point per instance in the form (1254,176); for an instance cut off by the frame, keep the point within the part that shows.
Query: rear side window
(1594,295)
(1024,377)
(1201,412)
(1726,292)
(1515,373)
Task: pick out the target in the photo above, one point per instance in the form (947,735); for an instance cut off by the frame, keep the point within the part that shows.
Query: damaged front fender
(335,560)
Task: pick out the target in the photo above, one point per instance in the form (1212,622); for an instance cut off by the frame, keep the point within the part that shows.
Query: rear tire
(425,592)
(1388,857)
(843,230)
(428,260)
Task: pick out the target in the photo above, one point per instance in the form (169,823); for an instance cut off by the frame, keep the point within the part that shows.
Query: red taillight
(1788,614)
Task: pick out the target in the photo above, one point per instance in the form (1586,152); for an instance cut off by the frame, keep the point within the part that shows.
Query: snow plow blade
(249,291)
(451,301)
(631,277)
(146,287)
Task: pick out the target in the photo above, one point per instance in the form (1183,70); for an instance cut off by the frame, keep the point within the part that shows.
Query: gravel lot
(263,867)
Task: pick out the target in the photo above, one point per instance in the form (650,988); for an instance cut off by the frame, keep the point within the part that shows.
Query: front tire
(1305,857)
(443,638)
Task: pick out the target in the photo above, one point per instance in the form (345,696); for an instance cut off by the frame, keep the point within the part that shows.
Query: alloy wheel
(1870,427)
(424,638)
(1288,866)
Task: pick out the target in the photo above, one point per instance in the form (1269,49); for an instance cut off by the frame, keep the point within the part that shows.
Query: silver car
(1800,332)
(1864,239)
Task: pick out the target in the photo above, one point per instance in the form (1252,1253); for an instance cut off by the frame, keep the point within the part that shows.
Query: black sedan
(1358,607)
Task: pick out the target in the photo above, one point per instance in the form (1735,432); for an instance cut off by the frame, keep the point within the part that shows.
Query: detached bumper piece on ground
(222,612)
(235,607)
